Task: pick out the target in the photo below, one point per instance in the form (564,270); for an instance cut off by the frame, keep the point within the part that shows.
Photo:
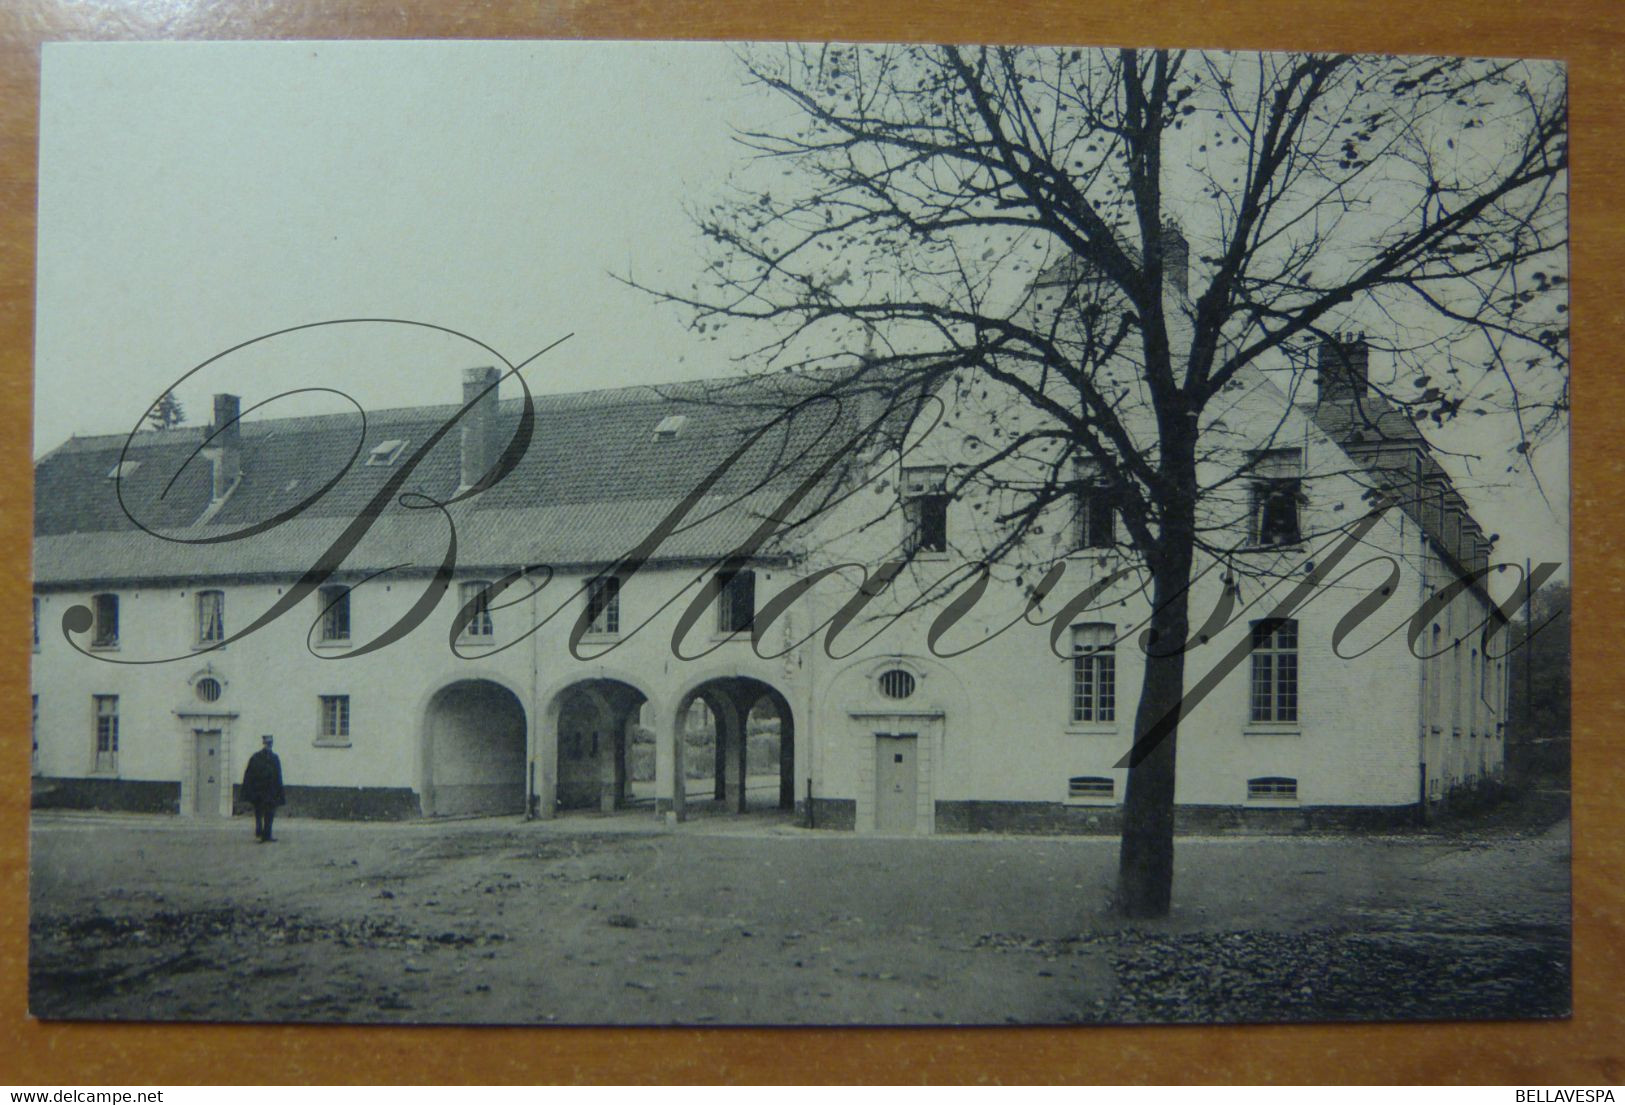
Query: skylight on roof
(122,469)
(670,427)
(384,453)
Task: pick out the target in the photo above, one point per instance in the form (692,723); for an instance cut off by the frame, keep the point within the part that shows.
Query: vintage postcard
(764,533)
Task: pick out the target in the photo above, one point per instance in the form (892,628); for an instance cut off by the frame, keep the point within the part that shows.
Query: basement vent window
(670,427)
(122,469)
(1272,790)
(385,452)
(1090,786)
(896,683)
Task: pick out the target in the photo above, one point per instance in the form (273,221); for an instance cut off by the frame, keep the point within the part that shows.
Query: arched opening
(606,757)
(474,759)
(738,737)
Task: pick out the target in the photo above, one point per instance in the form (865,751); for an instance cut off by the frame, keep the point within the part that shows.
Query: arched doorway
(474,754)
(738,738)
(606,758)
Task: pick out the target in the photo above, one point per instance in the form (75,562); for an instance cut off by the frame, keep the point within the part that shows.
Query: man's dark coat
(262,781)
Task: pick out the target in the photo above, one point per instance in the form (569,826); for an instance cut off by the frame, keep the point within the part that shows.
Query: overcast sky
(196,195)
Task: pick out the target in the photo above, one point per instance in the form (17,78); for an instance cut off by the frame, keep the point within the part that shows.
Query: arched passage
(474,755)
(738,740)
(604,761)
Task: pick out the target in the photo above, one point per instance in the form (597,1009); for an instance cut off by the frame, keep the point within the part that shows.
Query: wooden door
(206,769)
(896,782)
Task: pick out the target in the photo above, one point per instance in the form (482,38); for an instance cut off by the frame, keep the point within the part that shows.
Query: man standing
(262,788)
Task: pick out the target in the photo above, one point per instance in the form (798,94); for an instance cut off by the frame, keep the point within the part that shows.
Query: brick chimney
(1345,368)
(225,449)
(1176,258)
(479,424)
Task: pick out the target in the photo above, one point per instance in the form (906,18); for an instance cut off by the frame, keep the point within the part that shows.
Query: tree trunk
(1145,873)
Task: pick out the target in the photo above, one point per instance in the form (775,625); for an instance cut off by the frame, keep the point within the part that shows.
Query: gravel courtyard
(729,921)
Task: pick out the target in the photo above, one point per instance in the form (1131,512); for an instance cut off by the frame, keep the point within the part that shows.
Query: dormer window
(211,617)
(335,602)
(670,427)
(123,469)
(1277,492)
(925,509)
(736,605)
(385,453)
(1096,519)
(105,627)
(604,606)
(476,599)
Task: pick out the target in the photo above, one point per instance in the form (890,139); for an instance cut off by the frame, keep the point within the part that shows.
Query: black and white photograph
(813,533)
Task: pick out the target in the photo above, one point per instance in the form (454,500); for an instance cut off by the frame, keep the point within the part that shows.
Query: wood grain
(1589,35)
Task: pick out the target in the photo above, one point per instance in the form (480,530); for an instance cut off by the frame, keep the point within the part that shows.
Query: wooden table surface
(1588,1049)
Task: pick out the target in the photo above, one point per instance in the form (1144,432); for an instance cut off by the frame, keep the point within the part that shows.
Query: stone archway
(474,750)
(750,731)
(600,762)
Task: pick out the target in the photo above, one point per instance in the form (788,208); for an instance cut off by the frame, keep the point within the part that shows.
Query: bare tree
(1002,217)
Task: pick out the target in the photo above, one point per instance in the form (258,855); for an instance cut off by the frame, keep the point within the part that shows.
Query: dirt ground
(594,920)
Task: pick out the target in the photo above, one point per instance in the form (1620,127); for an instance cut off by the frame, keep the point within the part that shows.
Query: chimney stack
(224,451)
(1345,368)
(1176,258)
(479,424)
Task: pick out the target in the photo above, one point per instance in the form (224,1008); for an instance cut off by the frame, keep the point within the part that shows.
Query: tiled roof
(1374,430)
(593,483)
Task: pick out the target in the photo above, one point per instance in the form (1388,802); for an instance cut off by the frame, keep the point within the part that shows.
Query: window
(335,613)
(477,608)
(604,606)
(670,427)
(104,634)
(211,617)
(1094,673)
(896,683)
(106,732)
(36,623)
(384,453)
(335,718)
(925,509)
(736,605)
(1097,528)
(1435,669)
(33,730)
(1090,786)
(208,689)
(123,469)
(1277,491)
(1272,789)
(1275,670)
